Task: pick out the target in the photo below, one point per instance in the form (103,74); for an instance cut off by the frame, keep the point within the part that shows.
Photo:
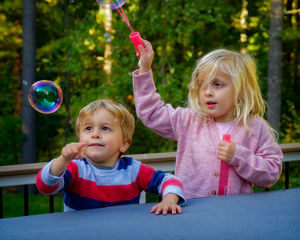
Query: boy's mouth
(96,145)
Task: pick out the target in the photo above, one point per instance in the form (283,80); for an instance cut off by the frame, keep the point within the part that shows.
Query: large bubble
(45,96)
(112,4)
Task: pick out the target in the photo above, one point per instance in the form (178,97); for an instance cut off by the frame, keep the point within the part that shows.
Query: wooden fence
(25,174)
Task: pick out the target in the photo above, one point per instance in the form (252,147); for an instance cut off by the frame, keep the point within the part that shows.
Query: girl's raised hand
(146,58)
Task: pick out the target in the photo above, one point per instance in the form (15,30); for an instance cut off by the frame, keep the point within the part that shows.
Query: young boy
(92,173)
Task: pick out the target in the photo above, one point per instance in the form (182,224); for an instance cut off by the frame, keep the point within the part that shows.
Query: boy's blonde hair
(122,116)
(242,70)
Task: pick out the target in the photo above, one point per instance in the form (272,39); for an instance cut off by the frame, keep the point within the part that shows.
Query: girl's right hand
(146,58)
(73,151)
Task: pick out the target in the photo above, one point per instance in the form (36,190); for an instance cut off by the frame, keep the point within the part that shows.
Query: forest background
(73,50)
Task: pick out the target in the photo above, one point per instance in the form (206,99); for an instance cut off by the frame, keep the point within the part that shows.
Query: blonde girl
(224,99)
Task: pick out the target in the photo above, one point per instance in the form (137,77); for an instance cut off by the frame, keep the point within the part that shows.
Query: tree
(274,67)
(28,78)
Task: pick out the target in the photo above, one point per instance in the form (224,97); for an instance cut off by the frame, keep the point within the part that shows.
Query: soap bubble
(111,4)
(107,37)
(45,96)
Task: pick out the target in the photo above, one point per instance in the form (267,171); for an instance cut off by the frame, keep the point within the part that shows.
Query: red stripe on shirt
(144,176)
(111,193)
(42,186)
(73,168)
(171,182)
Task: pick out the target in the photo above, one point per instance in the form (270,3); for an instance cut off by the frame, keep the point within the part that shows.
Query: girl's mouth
(211,104)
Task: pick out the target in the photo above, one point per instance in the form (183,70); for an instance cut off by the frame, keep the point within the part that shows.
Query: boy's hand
(168,204)
(146,58)
(69,152)
(226,151)
(72,151)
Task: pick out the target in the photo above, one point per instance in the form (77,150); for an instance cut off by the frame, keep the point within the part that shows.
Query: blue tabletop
(268,215)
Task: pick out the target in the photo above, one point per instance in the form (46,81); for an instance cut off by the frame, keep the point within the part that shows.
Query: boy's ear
(125,146)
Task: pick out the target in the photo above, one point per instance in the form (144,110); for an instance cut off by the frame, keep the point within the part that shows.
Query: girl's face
(103,136)
(217,97)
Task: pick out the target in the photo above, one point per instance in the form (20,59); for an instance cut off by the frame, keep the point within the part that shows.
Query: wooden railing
(25,174)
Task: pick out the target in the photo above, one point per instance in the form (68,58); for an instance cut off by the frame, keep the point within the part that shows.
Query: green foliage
(70,42)
(290,124)
(10,139)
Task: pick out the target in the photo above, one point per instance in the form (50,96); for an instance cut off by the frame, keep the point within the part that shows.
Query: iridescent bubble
(107,37)
(45,96)
(109,4)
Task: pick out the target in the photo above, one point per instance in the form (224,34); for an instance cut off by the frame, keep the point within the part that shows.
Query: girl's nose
(208,90)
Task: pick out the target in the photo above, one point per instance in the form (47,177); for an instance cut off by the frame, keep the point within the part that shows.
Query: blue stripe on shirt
(155,184)
(77,202)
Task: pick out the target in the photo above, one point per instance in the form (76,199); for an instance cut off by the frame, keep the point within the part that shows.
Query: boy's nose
(96,134)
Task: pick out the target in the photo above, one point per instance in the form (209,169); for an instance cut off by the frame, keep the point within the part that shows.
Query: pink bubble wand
(134,36)
(224,183)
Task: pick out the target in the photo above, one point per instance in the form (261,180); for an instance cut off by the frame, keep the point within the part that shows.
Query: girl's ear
(125,145)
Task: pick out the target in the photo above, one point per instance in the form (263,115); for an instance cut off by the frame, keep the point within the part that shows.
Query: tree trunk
(274,67)
(68,75)
(28,78)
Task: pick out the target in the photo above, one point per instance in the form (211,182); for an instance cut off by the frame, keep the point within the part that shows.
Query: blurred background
(85,49)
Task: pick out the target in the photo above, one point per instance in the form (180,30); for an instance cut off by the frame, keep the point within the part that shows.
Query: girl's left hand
(226,151)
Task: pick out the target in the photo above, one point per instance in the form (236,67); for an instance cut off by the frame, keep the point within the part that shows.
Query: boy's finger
(79,156)
(179,209)
(174,210)
(165,210)
(81,145)
(158,210)
(153,209)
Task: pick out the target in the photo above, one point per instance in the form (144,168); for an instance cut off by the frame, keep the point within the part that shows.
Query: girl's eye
(88,128)
(105,128)
(218,84)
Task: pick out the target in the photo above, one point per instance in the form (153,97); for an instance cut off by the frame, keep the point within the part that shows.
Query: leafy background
(180,31)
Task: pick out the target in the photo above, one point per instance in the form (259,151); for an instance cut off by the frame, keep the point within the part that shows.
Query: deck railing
(25,174)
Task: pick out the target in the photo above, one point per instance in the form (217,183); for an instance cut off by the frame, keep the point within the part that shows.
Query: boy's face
(104,139)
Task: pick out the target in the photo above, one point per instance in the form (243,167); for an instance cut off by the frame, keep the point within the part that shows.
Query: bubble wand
(134,36)
(224,172)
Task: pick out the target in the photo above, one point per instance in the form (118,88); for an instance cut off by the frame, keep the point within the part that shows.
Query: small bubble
(107,37)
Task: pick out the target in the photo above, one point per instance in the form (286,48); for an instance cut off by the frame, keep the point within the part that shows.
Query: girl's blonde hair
(122,116)
(242,70)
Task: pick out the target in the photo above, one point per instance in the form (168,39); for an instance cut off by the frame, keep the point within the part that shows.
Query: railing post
(1,203)
(287,175)
(26,202)
(51,204)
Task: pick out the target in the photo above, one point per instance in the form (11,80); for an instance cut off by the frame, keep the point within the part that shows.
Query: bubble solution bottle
(137,41)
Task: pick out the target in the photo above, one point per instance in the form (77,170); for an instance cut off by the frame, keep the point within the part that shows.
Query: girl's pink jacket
(257,159)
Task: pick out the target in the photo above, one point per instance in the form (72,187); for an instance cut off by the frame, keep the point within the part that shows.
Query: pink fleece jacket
(257,159)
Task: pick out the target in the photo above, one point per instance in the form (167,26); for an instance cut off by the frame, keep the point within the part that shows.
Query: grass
(13,204)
